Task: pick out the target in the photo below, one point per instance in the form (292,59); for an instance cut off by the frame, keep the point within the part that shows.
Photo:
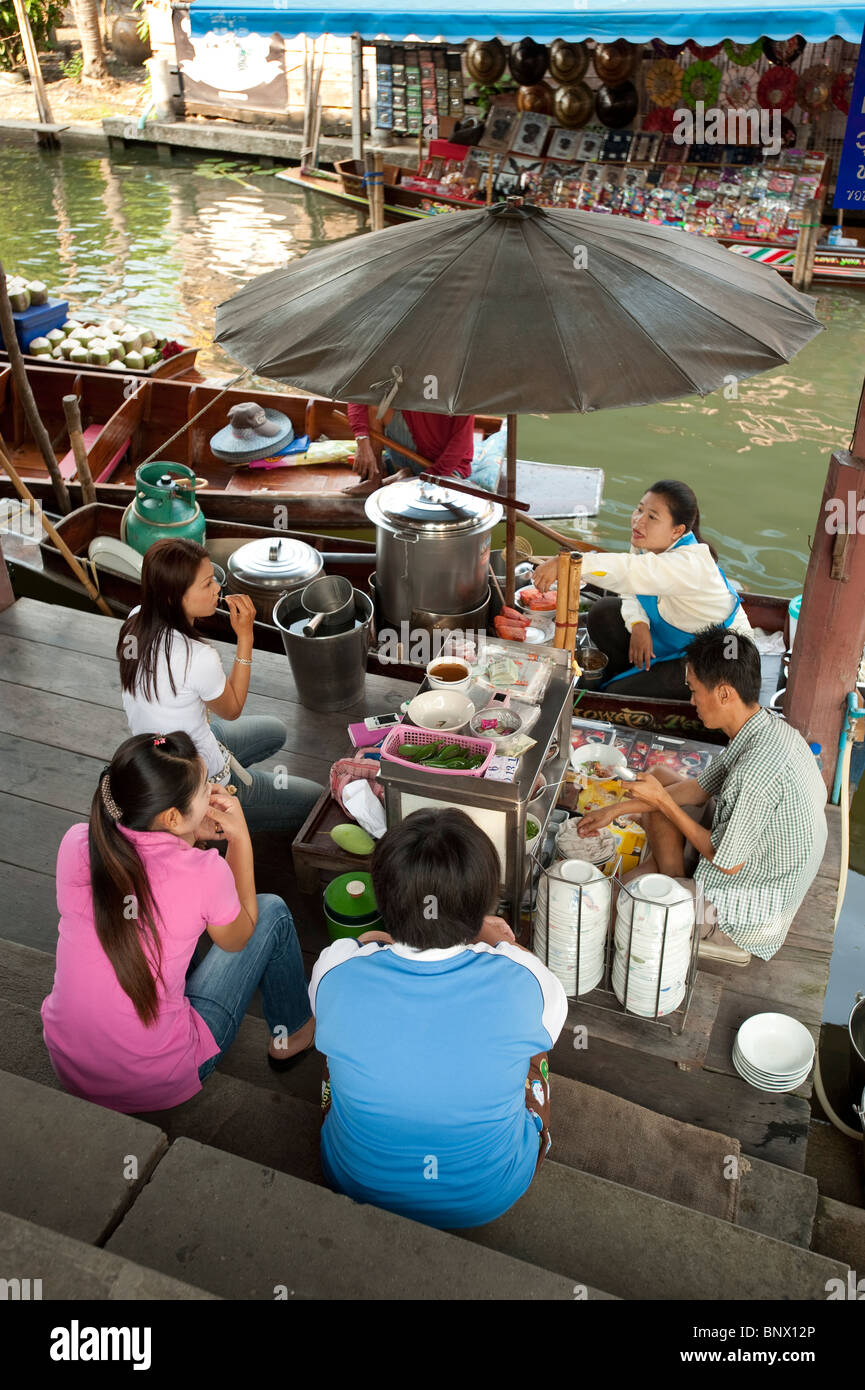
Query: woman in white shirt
(171,678)
(670,585)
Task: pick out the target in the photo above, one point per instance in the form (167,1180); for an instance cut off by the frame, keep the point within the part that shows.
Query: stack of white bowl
(773,1052)
(642,910)
(579,899)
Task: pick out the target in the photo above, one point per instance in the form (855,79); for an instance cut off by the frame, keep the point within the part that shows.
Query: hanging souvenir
(789,134)
(573,105)
(815,87)
(568,61)
(664,82)
(617,106)
(739,88)
(616,62)
(705,52)
(662,118)
(485,62)
(783,51)
(667,50)
(701,83)
(743,54)
(842,90)
(528,62)
(536,98)
(776,89)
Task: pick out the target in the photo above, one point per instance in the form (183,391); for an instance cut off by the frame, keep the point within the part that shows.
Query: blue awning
(510,20)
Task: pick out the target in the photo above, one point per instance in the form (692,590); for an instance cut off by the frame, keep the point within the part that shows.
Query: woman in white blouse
(172,680)
(670,586)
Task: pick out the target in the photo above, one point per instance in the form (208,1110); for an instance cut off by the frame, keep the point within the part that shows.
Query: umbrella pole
(511,520)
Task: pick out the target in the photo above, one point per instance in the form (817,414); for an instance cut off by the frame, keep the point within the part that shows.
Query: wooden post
(43,106)
(511,518)
(375,188)
(7,597)
(76,439)
(356,96)
(830,633)
(490,179)
(19,376)
(803,266)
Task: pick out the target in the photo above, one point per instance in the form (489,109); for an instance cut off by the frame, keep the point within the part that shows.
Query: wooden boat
(347,187)
(355,560)
(126,420)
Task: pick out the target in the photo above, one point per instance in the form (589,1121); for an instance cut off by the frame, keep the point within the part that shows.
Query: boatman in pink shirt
(447,441)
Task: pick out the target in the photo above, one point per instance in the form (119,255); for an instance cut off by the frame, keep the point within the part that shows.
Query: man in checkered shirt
(768,827)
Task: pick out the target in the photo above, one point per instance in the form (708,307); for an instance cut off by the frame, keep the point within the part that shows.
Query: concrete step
(283,1131)
(640,1247)
(243,1231)
(839,1232)
(49,1266)
(69,1165)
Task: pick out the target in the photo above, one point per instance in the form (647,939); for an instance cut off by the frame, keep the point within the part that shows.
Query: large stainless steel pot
(432,549)
(267,569)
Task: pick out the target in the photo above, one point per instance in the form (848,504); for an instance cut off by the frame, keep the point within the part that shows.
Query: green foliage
(483,96)
(72,68)
(44,15)
(142,28)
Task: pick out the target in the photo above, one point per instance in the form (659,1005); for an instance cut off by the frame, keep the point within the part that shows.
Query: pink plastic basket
(411,735)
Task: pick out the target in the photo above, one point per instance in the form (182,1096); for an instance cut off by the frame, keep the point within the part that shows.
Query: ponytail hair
(169,569)
(143,779)
(682,504)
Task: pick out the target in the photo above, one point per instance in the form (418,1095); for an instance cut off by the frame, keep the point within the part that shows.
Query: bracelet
(243,661)
(359,437)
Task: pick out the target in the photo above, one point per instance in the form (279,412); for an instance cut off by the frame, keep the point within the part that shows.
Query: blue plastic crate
(38,320)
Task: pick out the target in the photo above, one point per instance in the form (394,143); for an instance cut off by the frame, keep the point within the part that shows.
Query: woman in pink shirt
(123,1024)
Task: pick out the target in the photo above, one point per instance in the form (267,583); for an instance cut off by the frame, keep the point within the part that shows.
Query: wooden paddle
(77,569)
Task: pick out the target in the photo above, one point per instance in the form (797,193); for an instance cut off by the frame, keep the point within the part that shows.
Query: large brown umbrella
(516,308)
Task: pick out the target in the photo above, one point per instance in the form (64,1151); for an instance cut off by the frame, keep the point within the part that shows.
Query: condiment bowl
(443,711)
(443,661)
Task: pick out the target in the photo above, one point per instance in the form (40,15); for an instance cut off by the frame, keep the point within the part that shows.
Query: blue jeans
(274,801)
(220,988)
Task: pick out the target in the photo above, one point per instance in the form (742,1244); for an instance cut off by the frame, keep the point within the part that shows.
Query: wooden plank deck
(61,718)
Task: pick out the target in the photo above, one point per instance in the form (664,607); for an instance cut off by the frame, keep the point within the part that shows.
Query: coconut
(100,356)
(118,364)
(39,347)
(130,339)
(150,355)
(96,344)
(135,361)
(67,347)
(79,354)
(148,338)
(20,300)
(38,292)
(55,337)
(114,325)
(70,326)
(57,352)
(113,347)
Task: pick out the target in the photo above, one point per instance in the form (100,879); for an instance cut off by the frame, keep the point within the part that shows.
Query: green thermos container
(165,507)
(350,907)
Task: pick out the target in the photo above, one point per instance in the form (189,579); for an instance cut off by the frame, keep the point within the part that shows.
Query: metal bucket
(329,671)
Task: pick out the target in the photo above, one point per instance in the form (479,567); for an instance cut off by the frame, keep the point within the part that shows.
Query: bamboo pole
(80,573)
(569,542)
(19,376)
(575,569)
(76,440)
(43,106)
(562,580)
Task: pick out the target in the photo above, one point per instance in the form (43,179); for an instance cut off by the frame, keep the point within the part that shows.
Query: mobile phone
(383,721)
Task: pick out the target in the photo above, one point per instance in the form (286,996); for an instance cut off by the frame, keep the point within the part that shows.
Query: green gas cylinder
(165,507)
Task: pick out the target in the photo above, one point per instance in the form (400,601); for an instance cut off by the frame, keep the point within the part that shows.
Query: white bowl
(608,756)
(438,684)
(775,1044)
(443,711)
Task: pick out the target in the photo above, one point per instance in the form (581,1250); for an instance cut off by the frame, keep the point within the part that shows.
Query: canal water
(162,245)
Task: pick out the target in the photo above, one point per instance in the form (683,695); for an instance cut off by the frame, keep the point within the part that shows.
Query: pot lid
(351,898)
(431,507)
(273,563)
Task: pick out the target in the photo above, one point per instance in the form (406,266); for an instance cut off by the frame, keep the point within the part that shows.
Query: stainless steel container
(432,549)
(329,671)
(266,569)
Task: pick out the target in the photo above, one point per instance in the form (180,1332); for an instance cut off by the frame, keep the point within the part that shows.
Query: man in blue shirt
(436,1036)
